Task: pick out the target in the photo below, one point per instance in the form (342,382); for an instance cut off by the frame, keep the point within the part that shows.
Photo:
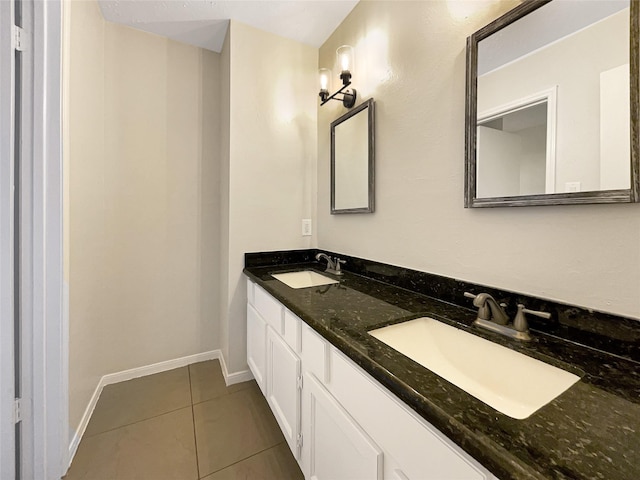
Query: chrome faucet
(492,316)
(333,265)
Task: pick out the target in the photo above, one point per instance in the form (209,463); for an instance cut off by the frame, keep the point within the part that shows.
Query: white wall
(143,223)
(498,170)
(574,64)
(272,161)
(410,56)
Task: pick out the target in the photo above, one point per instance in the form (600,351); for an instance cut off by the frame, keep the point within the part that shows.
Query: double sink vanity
(380,372)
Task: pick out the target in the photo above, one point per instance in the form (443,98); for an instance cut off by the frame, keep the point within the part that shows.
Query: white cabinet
(269,308)
(419,450)
(335,447)
(263,312)
(315,354)
(256,346)
(291,335)
(397,475)
(283,388)
(339,422)
(273,361)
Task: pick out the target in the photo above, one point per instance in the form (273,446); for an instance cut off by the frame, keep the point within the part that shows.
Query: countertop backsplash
(602,331)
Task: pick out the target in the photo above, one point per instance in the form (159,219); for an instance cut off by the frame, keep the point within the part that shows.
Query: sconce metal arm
(348,97)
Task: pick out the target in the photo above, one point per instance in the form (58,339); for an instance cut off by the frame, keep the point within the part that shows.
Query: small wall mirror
(552,105)
(352,161)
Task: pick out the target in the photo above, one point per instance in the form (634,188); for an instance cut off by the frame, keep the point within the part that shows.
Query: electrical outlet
(306,227)
(572,187)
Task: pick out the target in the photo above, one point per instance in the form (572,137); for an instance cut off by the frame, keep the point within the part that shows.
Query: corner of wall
(272,154)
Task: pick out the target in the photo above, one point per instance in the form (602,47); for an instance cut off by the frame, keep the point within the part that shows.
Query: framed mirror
(352,160)
(552,105)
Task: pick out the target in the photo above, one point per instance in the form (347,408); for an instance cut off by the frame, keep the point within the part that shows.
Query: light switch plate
(306,227)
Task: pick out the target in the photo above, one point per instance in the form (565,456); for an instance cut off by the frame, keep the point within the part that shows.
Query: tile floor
(184,424)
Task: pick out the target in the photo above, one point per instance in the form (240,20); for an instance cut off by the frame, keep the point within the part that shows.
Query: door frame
(7,448)
(45,452)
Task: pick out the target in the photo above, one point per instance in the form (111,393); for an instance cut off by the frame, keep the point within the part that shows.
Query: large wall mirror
(352,161)
(552,105)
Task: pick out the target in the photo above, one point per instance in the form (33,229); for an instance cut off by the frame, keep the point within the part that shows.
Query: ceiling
(204,23)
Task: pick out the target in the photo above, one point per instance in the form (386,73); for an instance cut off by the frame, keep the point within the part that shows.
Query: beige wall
(410,56)
(144,200)
(225,156)
(272,160)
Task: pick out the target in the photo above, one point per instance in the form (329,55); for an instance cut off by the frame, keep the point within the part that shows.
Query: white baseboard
(235,377)
(159,367)
(141,372)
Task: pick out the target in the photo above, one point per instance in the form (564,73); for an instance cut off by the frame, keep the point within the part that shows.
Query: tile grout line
(243,459)
(222,395)
(137,421)
(193,420)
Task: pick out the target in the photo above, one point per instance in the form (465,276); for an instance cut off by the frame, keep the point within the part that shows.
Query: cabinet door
(256,346)
(418,449)
(334,446)
(283,388)
(398,475)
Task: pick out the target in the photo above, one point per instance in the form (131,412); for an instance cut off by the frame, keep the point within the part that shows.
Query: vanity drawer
(250,289)
(292,332)
(315,353)
(269,308)
(419,449)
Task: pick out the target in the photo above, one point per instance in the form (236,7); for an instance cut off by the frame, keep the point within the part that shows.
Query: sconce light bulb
(324,75)
(345,58)
(324,82)
(345,62)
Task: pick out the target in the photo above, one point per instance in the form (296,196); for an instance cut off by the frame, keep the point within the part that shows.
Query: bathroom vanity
(329,409)
(350,406)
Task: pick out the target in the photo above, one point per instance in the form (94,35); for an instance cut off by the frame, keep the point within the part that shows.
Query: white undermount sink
(510,382)
(303,279)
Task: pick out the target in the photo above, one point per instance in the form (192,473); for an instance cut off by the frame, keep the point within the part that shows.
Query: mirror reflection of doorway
(516,148)
(512,153)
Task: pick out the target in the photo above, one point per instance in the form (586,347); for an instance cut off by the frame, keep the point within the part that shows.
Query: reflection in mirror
(549,116)
(352,161)
(514,155)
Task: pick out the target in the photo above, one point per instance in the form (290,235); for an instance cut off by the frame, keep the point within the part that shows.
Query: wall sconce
(345,61)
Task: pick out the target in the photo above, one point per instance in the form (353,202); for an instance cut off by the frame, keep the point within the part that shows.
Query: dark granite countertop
(591,431)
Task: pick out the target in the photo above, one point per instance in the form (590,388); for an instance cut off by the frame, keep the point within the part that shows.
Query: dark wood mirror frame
(603,196)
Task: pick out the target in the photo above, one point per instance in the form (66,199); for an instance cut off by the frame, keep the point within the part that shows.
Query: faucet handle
(537,313)
(339,261)
(520,322)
